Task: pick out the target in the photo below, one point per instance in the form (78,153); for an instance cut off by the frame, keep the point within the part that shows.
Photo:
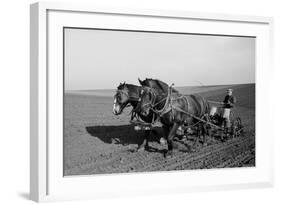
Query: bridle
(130,98)
(152,104)
(151,91)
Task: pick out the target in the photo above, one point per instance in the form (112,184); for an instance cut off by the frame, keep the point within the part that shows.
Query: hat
(229,89)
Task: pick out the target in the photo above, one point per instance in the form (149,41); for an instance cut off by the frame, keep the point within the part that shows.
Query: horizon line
(174,86)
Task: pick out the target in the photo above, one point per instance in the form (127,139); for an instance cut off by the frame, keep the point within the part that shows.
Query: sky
(101,59)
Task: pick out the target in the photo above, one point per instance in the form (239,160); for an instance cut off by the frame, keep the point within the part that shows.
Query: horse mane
(125,85)
(131,88)
(121,86)
(157,84)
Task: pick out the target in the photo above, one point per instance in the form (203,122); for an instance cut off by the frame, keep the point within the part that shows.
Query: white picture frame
(46,177)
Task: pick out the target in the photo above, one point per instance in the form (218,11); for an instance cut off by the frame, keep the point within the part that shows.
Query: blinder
(151,92)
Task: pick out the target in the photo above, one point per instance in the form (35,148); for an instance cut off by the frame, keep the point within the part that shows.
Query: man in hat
(228,103)
(229,99)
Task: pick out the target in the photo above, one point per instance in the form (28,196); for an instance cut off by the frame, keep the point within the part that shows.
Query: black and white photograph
(143,101)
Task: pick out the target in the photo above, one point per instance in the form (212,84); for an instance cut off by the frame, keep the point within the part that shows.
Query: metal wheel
(237,127)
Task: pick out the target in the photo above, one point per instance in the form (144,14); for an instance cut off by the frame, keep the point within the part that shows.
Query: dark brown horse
(128,94)
(174,110)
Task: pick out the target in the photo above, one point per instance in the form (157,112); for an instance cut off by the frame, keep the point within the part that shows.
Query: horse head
(121,98)
(147,100)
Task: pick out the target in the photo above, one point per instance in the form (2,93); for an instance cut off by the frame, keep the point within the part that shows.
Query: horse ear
(141,82)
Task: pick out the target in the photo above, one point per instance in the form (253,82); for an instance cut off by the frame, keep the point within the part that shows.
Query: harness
(134,111)
(170,107)
(152,105)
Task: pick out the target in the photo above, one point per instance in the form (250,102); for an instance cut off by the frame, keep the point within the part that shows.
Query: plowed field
(98,142)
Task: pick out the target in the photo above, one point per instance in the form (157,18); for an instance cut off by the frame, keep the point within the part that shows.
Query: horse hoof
(140,149)
(176,145)
(186,148)
(192,149)
(143,148)
(168,154)
(163,141)
(223,140)
(137,128)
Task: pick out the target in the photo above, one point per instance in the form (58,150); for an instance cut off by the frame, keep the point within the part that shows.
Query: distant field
(183,90)
(186,90)
(104,93)
(97,142)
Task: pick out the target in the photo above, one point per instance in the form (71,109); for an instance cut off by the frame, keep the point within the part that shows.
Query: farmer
(228,103)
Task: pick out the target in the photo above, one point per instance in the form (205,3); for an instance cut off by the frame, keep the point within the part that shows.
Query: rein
(152,104)
(130,98)
(195,117)
(170,107)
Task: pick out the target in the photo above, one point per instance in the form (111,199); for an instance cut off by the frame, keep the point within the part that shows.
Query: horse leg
(170,139)
(144,144)
(163,140)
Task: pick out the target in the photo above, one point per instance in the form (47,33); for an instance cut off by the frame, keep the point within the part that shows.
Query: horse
(129,94)
(175,110)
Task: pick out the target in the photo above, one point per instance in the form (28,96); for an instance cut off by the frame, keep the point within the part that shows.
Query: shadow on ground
(121,134)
